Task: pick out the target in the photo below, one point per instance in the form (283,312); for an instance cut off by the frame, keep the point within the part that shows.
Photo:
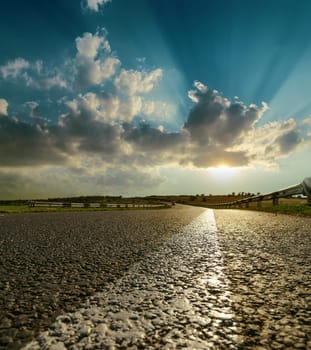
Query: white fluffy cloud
(103,106)
(93,72)
(94,63)
(95,5)
(131,82)
(3,107)
(89,45)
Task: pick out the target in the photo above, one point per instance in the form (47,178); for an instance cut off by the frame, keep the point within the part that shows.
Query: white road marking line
(177,296)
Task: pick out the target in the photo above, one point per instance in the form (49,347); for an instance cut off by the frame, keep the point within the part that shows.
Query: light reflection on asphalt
(178,296)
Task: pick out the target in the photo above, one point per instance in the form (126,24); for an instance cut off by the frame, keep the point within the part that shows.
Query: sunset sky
(153,96)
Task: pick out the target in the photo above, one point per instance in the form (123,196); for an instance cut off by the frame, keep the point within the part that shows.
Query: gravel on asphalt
(166,279)
(51,262)
(267,258)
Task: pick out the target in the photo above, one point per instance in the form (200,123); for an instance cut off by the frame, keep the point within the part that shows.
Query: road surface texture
(160,279)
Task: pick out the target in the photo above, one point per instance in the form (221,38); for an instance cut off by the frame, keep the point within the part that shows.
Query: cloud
(46,83)
(14,69)
(94,63)
(23,144)
(307,121)
(104,106)
(288,141)
(89,45)
(213,156)
(152,110)
(49,83)
(95,5)
(34,74)
(225,132)
(272,141)
(3,107)
(110,107)
(83,130)
(148,139)
(214,120)
(131,82)
(93,127)
(93,72)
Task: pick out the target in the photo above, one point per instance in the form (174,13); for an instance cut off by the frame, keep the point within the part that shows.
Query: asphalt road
(158,279)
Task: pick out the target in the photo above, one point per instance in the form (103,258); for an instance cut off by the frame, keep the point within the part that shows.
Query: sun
(222,171)
(224,168)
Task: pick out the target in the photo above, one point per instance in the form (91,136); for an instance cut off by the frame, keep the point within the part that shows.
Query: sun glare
(222,171)
(224,168)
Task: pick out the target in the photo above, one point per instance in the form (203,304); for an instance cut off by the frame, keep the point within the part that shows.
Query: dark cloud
(289,141)
(148,139)
(23,144)
(204,115)
(80,131)
(214,120)
(215,156)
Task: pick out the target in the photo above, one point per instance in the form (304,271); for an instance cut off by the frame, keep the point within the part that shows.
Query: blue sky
(153,96)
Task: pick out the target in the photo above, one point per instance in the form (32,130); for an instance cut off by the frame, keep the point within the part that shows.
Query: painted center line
(177,296)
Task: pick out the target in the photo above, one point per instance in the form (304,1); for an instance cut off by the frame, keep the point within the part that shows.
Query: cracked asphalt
(162,279)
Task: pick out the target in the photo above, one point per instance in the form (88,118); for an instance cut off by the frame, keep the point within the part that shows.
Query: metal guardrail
(47,204)
(303,188)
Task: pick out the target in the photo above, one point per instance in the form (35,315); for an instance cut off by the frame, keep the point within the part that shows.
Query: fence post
(259,204)
(275,201)
(306,183)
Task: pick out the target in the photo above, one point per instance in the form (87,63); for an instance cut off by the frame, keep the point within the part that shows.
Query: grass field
(301,210)
(291,206)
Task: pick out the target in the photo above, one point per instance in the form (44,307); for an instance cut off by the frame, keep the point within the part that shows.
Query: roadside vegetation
(26,209)
(291,206)
(7,209)
(300,210)
(21,206)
